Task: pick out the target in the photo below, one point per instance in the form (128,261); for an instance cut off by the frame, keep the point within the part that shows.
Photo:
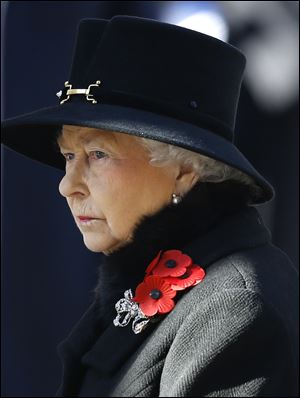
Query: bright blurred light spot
(207,22)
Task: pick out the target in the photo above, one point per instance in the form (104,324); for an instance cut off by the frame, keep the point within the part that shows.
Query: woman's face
(108,177)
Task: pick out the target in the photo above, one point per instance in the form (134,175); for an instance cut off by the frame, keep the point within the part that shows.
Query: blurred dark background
(47,272)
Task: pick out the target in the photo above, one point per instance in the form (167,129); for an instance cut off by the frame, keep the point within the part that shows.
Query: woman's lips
(88,221)
(85,218)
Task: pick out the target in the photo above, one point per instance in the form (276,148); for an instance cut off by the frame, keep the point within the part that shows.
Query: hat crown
(89,34)
(162,68)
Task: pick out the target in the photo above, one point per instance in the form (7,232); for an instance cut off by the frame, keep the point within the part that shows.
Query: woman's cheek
(125,171)
(110,186)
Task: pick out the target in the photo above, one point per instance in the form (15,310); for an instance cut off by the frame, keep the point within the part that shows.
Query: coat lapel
(113,348)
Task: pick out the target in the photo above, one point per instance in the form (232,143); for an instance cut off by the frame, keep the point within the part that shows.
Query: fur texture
(170,228)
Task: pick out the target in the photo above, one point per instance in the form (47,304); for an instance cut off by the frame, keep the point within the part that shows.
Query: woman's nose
(73,183)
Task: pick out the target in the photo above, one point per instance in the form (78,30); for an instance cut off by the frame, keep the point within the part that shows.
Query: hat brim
(34,134)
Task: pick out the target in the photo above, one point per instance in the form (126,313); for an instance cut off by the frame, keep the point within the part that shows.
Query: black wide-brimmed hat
(150,79)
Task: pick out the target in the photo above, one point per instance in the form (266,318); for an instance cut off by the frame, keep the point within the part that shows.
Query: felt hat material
(147,78)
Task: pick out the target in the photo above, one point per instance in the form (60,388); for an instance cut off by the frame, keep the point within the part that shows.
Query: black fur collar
(170,228)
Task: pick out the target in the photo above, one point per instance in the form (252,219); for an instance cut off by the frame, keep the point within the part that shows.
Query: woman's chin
(97,244)
(105,244)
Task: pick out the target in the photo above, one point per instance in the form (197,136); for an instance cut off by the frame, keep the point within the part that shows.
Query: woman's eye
(98,154)
(68,156)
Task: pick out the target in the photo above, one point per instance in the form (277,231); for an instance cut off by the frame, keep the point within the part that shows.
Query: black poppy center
(155,294)
(170,263)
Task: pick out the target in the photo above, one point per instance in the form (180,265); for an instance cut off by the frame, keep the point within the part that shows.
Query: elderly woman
(192,299)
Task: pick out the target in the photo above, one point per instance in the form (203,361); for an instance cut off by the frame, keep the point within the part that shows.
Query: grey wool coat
(234,334)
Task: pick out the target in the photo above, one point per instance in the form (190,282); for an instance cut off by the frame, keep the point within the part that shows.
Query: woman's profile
(192,297)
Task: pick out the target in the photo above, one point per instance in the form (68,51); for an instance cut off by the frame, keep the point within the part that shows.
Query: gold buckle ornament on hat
(85,91)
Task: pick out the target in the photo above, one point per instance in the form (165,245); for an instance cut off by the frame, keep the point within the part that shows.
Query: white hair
(208,169)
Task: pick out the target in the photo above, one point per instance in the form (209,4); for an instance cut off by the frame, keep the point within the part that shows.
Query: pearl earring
(176,198)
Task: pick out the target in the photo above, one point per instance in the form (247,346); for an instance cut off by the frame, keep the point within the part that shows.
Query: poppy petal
(149,308)
(153,263)
(180,263)
(153,282)
(195,274)
(167,290)
(165,305)
(198,272)
(163,271)
(179,257)
(141,292)
(180,287)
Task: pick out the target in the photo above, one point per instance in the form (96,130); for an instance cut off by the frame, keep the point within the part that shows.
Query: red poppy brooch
(167,274)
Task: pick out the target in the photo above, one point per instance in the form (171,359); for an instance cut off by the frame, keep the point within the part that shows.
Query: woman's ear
(186,178)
